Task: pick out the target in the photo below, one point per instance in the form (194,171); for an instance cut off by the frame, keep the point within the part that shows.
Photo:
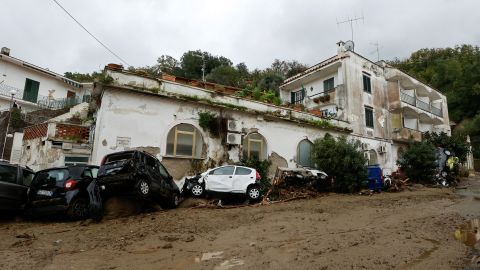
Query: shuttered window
(297,96)
(367,85)
(369,117)
(30,92)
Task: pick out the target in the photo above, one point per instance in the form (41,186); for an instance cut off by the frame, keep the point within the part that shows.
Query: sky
(251,31)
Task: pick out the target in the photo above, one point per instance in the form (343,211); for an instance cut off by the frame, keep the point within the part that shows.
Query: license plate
(45,193)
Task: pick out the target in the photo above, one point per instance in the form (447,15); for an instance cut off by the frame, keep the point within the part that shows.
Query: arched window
(184,140)
(255,146)
(304,153)
(372,157)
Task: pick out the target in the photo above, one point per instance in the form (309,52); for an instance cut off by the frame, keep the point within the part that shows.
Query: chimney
(5,51)
(340,47)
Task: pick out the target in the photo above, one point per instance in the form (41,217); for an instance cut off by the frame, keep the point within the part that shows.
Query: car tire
(78,209)
(143,188)
(253,193)
(197,190)
(172,202)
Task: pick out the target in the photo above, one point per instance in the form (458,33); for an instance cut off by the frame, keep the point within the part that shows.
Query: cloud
(254,32)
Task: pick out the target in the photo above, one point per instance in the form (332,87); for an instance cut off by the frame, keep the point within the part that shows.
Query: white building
(35,87)
(361,99)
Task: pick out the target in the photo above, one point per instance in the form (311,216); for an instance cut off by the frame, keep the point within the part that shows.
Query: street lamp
(12,92)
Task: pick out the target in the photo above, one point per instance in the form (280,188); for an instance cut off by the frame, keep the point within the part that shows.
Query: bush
(208,121)
(418,162)
(262,168)
(342,160)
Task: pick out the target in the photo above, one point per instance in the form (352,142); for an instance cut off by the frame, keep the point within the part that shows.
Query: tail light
(70,184)
(258,177)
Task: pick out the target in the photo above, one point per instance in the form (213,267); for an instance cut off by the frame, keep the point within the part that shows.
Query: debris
(469,233)
(57,242)
(167,246)
(252,244)
(190,238)
(212,255)
(229,264)
(26,236)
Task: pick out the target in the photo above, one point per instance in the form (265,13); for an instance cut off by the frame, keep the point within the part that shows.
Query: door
(242,178)
(156,182)
(220,179)
(11,193)
(30,92)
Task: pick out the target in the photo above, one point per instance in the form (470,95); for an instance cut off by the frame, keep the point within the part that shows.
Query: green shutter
(292,97)
(30,92)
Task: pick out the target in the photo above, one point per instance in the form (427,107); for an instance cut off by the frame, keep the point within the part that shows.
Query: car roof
(6,163)
(66,167)
(130,151)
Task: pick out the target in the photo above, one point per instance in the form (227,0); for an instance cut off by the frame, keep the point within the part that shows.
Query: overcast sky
(251,31)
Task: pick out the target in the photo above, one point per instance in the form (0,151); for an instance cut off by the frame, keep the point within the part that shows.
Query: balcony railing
(43,101)
(420,104)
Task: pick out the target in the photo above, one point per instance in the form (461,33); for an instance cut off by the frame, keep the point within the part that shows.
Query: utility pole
(203,65)
(13,93)
(377,50)
(350,21)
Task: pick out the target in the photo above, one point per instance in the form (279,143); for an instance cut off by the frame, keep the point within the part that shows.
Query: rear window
(8,174)
(118,157)
(242,171)
(76,172)
(52,177)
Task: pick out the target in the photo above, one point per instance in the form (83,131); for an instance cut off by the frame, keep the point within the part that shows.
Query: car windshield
(8,173)
(50,178)
(118,157)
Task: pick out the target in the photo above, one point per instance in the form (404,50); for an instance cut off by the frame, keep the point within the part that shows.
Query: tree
(226,75)
(192,62)
(418,161)
(457,143)
(342,160)
(82,77)
(168,64)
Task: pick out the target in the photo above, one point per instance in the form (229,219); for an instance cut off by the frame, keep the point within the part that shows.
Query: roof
(313,68)
(45,71)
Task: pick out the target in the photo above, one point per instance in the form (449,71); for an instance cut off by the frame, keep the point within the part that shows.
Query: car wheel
(78,209)
(172,202)
(143,188)
(253,193)
(197,190)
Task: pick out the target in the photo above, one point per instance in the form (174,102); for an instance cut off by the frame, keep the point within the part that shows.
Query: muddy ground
(413,229)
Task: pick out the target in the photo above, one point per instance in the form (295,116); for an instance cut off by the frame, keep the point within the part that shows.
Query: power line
(101,43)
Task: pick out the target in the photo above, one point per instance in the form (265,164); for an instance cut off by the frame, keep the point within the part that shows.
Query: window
(184,140)
(51,178)
(369,117)
(150,161)
(227,170)
(304,153)
(30,92)
(254,146)
(367,85)
(75,160)
(328,84)
(242,171)
(8,174)
(297,97)
(27,177)
(372,157)
(163,172)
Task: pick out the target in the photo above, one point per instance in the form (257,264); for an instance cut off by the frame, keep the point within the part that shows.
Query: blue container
(375,177)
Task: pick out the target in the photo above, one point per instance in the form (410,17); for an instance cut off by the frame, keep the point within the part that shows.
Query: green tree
(457,143)
(418,161)
(341,159)
(226,75)
(192,62)
(83,77)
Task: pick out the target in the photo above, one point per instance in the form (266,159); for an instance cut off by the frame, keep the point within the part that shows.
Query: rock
(190,238)
(167,246)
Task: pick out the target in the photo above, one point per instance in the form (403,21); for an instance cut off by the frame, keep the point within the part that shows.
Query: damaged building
(344,95)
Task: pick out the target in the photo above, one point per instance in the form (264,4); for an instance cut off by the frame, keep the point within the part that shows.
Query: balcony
(420,104)
(406,134)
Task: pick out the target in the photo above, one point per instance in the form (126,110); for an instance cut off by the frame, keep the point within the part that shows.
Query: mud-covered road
(408,230)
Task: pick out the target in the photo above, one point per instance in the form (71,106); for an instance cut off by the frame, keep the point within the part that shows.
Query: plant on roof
(105,79)
(208,121)
(256,93)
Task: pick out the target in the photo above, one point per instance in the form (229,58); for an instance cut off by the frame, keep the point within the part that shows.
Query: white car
(226,179)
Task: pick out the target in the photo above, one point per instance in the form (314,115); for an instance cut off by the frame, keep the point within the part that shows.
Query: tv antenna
(377,49)
(350,21)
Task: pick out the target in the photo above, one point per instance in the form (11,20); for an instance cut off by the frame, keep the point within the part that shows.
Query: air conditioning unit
(365,146)
(234,125)
(382,149)
(234,138)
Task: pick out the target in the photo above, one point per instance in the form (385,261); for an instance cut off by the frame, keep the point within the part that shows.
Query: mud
(407,230)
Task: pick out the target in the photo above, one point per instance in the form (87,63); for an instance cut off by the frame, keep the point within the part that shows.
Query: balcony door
(30,92)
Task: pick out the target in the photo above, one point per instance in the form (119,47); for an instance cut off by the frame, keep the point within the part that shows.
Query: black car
(72,190)
(14,183)
(139,173)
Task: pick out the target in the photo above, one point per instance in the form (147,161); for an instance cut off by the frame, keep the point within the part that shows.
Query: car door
(220,179)
(11,192)
(153,172)
(242,178)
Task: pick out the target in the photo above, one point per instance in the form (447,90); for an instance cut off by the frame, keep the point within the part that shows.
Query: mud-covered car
(139,173)
(72,190)
(14,183)
(225,180)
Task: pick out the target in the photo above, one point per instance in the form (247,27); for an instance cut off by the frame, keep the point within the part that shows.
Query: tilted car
(139,173)
(14,183)
(72,190)
(226,179)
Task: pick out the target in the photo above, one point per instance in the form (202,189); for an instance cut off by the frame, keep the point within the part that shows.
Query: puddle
(469,233)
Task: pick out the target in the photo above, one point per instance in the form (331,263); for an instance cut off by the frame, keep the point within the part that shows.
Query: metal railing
(43,101)
(420,104)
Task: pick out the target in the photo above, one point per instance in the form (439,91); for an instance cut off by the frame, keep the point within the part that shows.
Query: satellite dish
(349,45)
